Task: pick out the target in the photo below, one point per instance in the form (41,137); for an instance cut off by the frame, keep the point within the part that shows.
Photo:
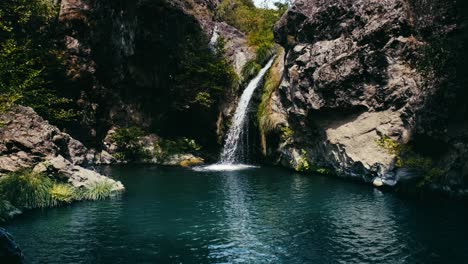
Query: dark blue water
(262,215)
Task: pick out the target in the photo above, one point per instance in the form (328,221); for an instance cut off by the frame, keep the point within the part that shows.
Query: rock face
(28,141)
(353,79)
(121,57)
(9,250)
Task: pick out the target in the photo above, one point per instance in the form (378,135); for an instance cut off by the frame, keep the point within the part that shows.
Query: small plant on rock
(25,189)
(63,193)
(98,191)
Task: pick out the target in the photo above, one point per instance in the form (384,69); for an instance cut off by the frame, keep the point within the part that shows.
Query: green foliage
(25,189)
(98,191)
(167,147)
(63,193)
(203,75)
(257,23)
(425,166)
(128,144)
(406,158)
(250,69)
(287,134)
(323,171)
(267,119)
(392,146)
(204,99)
(31,61)
(302,163)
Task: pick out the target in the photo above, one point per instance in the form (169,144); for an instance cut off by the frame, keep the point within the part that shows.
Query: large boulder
(28,141)
(353,80)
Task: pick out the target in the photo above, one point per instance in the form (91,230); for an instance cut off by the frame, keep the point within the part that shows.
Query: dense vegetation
(31,58)
(131,147)
(257,23)
(27,190)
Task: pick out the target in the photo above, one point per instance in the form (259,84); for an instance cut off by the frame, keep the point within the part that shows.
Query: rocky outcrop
(354,80)
(28,141)
(10,252)
(237,49)
(122,57)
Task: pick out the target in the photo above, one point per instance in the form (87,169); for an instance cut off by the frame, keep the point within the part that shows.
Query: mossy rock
(191,162)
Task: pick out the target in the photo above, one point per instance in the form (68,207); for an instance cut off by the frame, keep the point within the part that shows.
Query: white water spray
(234,147)
(232,150)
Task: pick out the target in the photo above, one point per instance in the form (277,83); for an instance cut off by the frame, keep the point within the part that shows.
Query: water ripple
(249,216)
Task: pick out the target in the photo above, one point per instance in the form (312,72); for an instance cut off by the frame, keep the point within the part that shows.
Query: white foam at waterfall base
(224,167)
(232,154)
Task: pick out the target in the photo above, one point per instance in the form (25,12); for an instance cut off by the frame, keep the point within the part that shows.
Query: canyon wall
(373,90)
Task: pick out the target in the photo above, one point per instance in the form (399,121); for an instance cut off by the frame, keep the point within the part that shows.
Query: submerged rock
(10,252)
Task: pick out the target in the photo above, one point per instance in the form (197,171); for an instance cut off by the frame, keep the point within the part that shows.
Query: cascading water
(234,146)
(232,150)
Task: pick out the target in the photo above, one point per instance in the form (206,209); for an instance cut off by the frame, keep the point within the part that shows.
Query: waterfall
(214,38)
(234,146)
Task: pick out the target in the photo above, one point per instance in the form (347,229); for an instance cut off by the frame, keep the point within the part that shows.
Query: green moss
(287,134)
(392,146)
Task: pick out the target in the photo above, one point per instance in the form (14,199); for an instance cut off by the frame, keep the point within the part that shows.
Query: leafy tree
(31,58)
(203,74)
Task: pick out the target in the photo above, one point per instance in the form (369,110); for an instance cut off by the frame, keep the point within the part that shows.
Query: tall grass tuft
(63,193)
(26,189)
(98,191)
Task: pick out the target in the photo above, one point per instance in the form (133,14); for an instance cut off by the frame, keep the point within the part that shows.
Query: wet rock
(183,160)
(237,49)
(10,252)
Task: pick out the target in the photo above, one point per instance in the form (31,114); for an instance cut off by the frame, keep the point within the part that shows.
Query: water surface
(260,215)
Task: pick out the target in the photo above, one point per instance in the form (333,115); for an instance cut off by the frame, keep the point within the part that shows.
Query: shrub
(31,59)
(25,189)
(128,144)
(167,147)
(257,23)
